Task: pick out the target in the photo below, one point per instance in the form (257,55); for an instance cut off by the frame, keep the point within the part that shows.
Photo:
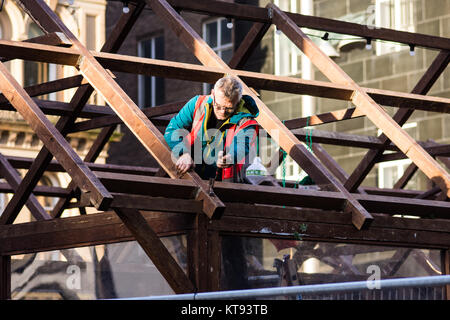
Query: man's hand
(223,161)
(184,163)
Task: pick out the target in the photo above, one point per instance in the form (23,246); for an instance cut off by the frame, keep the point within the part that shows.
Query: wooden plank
(248,45)
(151,112)
(327,117)
(331,164)
(92,155)
(437,150)
(5,277)
(327,200)
(51,39)
(340,233)
(80,231)
(373,111)
(152,186)
(266,118)
(255,13)
(407,175)
(46,88)
(214,260)
(423,86)
(149,203)
(155,249)
(198,242)
(446,269)
(54,142)
(121,103)
(262,221)
(191,72)
(14,179)
(54,166)
(79,99)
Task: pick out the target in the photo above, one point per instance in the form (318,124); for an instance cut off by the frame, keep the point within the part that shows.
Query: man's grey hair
(231,88)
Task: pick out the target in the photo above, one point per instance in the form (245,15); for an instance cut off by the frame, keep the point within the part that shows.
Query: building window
(151,89)
(219,37)
(91,34)
(394,14)
(48,202)
(391,171)
(286,53)
(38,72)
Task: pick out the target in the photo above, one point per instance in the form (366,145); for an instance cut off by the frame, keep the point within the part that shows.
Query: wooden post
(155,250)
(361,99)
(445,265)
(5,277)
(198,254)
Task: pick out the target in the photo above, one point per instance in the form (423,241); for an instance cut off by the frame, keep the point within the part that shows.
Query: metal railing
(415,282)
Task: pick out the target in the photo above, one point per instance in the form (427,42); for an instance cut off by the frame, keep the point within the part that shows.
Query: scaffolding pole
(432,281)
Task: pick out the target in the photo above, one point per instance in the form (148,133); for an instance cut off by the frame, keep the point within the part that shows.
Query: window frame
(399,20)
(141,78)
(220,47)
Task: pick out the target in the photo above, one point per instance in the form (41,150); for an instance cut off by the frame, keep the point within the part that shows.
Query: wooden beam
(277,222)
(5,277)
(54,143)
(198,253)
(250,220)
(46,88)
(255,13)
(14,179)
(446,270)
(104,121)
(266,118)
(44,156)
(122,104)
(331,164)
(231,192)
(248,45)
(323,118)
(192,72)
(86,230)
(407,175)
(51,39)
(372,110)
(437,150)
(423,86)
(156,251)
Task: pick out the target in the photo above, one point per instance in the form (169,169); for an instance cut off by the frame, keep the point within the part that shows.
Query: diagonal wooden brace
(53,141)
(121,103)
(282,135)
(361,99)
(422,87)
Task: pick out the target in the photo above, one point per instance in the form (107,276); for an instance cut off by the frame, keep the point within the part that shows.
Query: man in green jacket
(215,134)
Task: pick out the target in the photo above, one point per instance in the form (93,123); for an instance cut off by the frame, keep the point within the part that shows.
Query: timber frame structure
(150,205)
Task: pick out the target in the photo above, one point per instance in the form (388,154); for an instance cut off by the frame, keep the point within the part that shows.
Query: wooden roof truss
(151,206)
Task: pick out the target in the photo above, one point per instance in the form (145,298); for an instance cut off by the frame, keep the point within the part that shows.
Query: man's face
(223,107)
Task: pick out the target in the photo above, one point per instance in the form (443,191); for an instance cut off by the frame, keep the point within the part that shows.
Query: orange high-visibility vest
(228,174)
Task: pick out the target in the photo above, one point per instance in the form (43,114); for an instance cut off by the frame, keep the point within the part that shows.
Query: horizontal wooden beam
(192,72)
(231,192)
(239,219)
(85,230)
(151,113)
(442,150)
(363,101)
(258,14)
